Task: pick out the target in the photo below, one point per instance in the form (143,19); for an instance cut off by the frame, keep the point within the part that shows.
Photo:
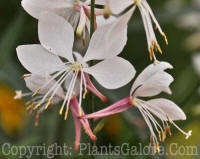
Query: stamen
(66,112)
(154,148)
(169,131)
(163,136)
(107,12)
(30,106)
(85,93)
(49,102)
(61,109)
(36,92)
(183,132)
(26,75)
(158,148)
(165,38)
(82,23)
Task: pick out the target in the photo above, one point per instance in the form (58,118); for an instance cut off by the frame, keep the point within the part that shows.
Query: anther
(85,93)
(48,103)
(36,92)
(66,112)
(26,75)
(37,106)
(61,109)
(165,38)
(158,148)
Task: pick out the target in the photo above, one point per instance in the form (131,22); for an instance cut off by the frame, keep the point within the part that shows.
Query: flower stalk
(91,97)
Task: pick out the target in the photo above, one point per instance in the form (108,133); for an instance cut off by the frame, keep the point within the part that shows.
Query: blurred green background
(179,20)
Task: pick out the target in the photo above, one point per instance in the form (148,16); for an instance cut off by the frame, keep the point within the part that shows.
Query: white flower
(119,6)
(151,82)
(55,57)
(77,13)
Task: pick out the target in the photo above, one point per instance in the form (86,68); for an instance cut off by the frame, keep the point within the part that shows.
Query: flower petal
(38,60)
(77,125)
(117,107)
(148,75)
(56,35)
(36,81)
(36,7)
(156,84)
(163,107)
(119,6)
(101,21)
(108,40)
(112,73)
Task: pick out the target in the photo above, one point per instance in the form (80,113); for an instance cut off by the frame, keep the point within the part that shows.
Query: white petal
(196,62)
(37,59)
(156,84)
(79,58)
(56,35)
(118,6)
(101,21)
(112,73)
(36,7)
(36,81)
(108,40)
(163,107)
(148,72)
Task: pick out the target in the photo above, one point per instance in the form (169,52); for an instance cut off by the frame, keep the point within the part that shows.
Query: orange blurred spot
(12,112)
(113,126)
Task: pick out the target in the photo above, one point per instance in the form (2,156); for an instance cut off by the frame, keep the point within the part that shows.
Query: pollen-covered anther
(107,12)
(151,52)
(37,106)
(29,106)
(165,38)
(163,136)
(158,147)
(85,93)
(61,109)
(49,102)
(36,92)
(26,75)
(154,148)
(76,67)
(158,48)
(66,112)
(169,130)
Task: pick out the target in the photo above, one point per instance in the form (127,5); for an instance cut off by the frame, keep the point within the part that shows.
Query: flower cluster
(59,73)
